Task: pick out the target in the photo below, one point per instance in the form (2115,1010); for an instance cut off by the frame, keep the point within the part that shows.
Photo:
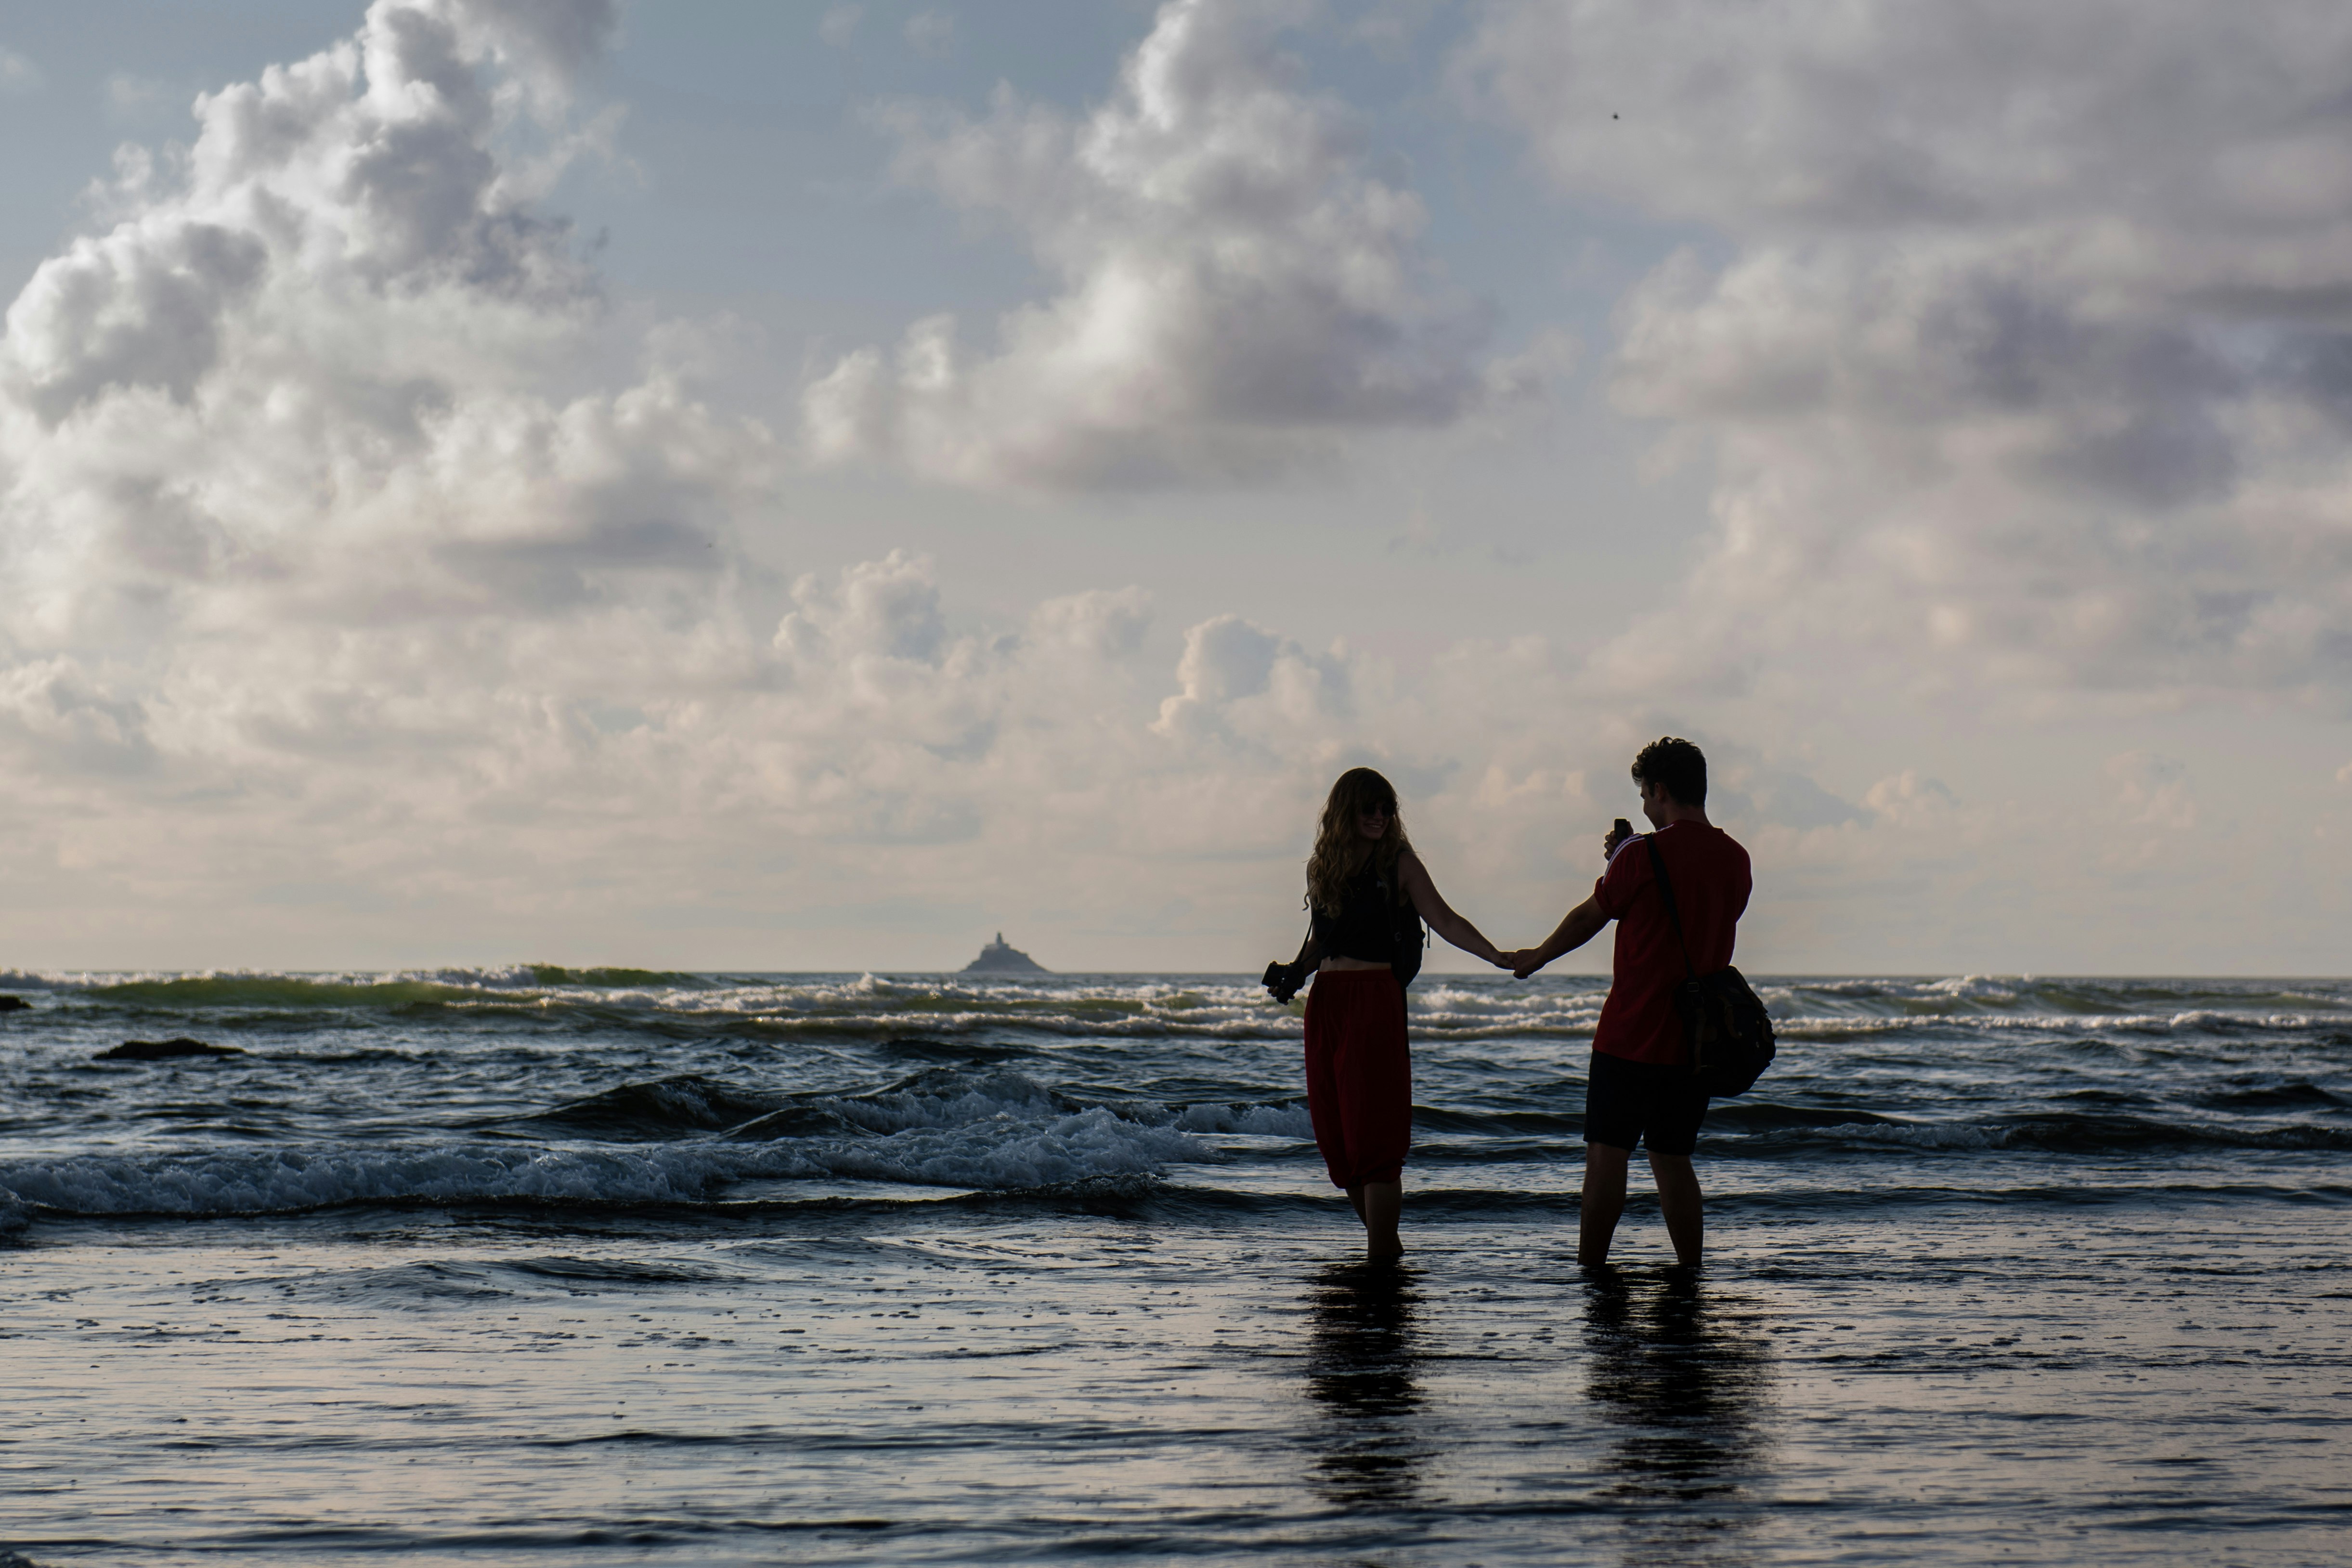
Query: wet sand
(954,1387)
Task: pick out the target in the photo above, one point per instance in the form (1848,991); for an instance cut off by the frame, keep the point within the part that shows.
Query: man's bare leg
(1678,1199)
(1356,1201)
(1383,1202)
(1603,1201)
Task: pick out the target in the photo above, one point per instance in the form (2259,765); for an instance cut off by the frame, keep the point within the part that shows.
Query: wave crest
(995,1154)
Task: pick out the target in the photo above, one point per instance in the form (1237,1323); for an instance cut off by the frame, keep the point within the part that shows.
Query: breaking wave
(2051,1134)
(1065,1149)
(529,1084)
(681,1140)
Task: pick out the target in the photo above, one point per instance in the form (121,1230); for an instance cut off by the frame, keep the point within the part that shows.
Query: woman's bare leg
(1356,1201)
(1383,1202)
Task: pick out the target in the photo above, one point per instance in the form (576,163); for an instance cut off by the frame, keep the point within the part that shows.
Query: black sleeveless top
(1366,926)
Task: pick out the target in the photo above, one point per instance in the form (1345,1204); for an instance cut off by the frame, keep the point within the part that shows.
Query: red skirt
(1359,1075)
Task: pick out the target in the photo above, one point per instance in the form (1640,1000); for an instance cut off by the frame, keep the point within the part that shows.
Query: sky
(722,485)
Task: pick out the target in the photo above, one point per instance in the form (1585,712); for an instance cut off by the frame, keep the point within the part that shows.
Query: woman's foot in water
(1383,1201)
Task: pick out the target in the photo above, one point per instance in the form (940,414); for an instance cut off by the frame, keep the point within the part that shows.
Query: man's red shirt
(1709,871)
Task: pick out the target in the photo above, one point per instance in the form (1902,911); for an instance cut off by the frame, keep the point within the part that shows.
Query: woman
(1364,884)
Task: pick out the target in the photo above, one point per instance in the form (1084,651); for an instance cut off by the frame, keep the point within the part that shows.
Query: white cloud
(839,24)
(319,597)
(18,74)
(2152,791)
(1239,289)
(2029,361)
(129,96)
(1910,798)
(344,613)
(1240,684)
(1808,118)
(301,379)
(291,519)
(61,721)
(316,588)
(931,32)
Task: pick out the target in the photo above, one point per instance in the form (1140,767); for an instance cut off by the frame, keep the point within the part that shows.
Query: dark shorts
(1628,1102)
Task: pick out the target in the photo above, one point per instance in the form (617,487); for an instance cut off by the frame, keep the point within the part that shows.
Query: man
(1639,1090)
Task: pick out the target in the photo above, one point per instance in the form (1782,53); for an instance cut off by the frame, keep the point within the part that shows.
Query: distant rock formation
(996,959)
(161,1050)
(14,1005)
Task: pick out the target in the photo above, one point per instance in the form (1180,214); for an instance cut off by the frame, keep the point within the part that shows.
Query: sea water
(615,1267)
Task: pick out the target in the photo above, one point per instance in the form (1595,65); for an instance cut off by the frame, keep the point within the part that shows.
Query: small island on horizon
(998,959)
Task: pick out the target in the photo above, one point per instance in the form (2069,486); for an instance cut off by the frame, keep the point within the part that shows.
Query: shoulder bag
(1725,1027)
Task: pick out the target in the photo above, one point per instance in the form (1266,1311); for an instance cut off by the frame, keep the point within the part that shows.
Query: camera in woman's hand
(1284,979)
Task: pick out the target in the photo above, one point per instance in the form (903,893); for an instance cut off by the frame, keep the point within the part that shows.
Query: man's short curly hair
(1677,766)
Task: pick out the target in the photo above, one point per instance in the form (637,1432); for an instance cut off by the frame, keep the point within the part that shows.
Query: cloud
(1240,684)
(931,32)
(292,514)
(1239,289)
(2025,364)
(302,378)
(1978,113)
(18,74)
(135,97)
(347,611)
(320,571)
(60,720)
(1910,798)
(839,24)
(2152,791)
(332,599)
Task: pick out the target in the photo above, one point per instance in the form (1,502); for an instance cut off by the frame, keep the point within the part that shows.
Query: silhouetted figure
(1639,1089)
(1368,892)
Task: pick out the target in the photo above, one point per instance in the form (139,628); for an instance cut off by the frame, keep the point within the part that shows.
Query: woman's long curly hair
(1339,849)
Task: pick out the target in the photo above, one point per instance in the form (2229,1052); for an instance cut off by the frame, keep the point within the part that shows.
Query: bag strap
(1391,903)
(1666,890)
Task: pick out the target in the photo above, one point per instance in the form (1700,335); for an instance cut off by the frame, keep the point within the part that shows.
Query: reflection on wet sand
(1363,1365)
(1676,1369)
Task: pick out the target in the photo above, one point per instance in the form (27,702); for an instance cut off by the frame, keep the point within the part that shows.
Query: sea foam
(994,1135)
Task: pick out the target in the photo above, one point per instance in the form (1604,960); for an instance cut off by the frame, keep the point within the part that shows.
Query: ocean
(535,1266)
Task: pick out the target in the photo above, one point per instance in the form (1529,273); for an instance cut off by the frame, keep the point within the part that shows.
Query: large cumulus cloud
(307,370)
(2028,353)
(298,520)
(335,589)
(1239,288)
(345,613)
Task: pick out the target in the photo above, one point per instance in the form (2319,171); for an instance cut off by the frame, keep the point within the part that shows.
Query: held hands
(1521,963)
